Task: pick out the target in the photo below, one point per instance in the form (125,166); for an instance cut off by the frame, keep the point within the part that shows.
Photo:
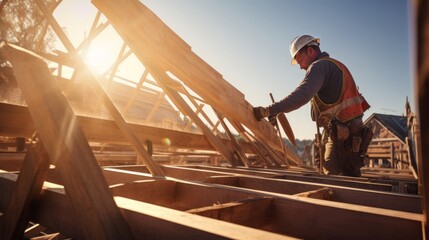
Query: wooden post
(156,45)
(422,87)
(238,150)
(163,81)
(67,147)
(27,188)
(392,155)
(116,115)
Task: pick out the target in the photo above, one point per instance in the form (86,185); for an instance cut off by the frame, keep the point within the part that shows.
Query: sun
(97,59)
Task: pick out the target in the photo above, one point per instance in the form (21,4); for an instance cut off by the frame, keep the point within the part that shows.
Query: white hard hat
(301,41)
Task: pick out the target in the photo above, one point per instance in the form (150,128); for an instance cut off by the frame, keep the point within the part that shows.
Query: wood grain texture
(27,189)
(67,147)
(154,43)
(290,216)
(16,122)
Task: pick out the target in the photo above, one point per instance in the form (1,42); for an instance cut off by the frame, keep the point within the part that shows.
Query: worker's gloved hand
(260,112)
(273,120)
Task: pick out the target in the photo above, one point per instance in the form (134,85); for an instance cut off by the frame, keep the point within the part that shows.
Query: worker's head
(304,50)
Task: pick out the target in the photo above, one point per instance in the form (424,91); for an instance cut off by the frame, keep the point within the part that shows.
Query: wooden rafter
(66,146)
(164,80)
(167,48)
(28,188)
(136,91)
(101,93)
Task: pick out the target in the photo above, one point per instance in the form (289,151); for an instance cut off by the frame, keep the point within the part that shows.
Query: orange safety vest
(349,105)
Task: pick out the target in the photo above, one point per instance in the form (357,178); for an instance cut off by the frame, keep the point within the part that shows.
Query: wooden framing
(422,88)
(284,214)
(273,197)
(27,189)
(193,71)
(16,122)
(366,194)
(66,146)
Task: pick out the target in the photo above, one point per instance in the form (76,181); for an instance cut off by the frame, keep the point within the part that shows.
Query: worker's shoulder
(324,62)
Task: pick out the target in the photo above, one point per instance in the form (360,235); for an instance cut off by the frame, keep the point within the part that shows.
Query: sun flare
(97,60)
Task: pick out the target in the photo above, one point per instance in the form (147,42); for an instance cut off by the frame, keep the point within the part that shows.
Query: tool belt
(351,144)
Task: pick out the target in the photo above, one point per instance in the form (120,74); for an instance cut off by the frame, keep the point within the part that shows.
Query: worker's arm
(310,85)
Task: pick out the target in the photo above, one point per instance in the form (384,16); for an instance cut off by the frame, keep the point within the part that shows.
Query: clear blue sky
(247,41)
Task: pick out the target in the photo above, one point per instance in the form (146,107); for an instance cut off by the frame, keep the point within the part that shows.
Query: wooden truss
(58,184)
(162,59)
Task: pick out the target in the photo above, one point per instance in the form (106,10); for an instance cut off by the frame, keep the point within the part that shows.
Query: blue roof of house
(397,125)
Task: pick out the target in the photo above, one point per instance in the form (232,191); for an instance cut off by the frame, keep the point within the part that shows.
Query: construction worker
(336,105)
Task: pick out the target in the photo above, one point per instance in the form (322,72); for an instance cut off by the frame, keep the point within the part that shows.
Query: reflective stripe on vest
(350,104)
(357,100)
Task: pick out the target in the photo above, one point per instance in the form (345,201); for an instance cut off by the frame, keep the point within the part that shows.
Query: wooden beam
(199,108)
(347,182)
(116,115)
(115,66)
(259,181)
(287,211)
(136,91)
(66,146)
(180,103)
(147,221)
(95,30)
(33,231)
(322,193)
(251,212)
(422,90)
(16,122)
(238,150)
(51,236)
(28,186)
(165,223)
(197,111)
(392,201)
(154,43)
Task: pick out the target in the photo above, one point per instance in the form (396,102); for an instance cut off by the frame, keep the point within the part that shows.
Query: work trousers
(335,160)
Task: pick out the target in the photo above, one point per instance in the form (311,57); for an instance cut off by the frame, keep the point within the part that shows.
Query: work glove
(260,112)
(273,120)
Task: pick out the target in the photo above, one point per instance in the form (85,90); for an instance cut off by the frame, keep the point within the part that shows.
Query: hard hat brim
(312,42)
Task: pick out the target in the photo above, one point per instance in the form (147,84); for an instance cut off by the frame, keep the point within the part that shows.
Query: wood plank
(379,199)
(347,182)
(251,212)
(343,221)
(291,215)
(28,186)
(16,122)
(175,172)
(67,147)
(33,231)
(164,80)
(154,43)
(323,193)
(363,197)
(147,221)
(165,223)
(135,93)
(421,87)
(240,154)
(113,111)
(161,193)
(51,236)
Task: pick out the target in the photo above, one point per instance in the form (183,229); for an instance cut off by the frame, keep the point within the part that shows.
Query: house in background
(388,148)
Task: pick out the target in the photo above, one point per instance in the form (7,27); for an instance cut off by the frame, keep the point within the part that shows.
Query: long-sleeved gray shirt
(323,77)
